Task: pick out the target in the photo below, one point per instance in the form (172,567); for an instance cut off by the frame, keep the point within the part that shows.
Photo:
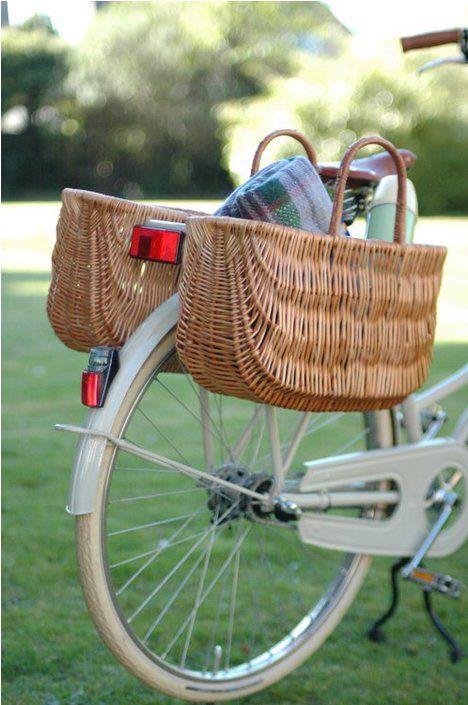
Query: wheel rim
(259,628)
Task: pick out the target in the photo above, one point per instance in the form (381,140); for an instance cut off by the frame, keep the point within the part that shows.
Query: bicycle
(177,535)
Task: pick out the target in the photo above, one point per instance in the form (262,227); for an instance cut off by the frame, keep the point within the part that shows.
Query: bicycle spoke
(157,470)
(214,630)
(174,596)
(266,564)
(295,441)
(192,413)
(157,494)
(227,445)
(169,575)
(247,432)
(315,425)
(151,524)
(258,612)
(256,450)
(174,570)
(203,397)
(201,584)
(208,440)
(128,446)
(164,544)
(156,550)
(326,422)
(232,610)
(349,444)
(208,590)
(163,435)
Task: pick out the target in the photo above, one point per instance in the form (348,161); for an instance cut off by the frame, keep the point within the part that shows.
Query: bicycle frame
(415,403)
(412,468)
(409,468)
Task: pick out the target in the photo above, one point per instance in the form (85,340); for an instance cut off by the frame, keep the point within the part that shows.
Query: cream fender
(90,449)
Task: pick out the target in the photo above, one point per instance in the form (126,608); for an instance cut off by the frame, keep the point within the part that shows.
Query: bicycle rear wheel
(193,591)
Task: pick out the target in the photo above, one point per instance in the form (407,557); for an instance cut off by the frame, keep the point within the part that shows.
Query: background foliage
(169,99)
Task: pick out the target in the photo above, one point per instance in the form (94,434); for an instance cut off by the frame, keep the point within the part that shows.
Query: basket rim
(72,194)
(285,230)
(70,197)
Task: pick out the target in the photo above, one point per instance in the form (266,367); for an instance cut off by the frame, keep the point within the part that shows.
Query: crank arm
(410,470)
(431,536)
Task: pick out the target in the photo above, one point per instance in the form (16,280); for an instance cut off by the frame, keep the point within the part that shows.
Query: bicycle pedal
(436,582)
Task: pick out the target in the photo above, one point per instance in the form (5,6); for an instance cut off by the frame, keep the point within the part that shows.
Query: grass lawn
(51,653)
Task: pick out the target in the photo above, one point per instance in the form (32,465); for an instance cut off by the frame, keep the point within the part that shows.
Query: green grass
(51,653)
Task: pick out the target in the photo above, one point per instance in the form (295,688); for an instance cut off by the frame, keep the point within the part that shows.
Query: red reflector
(156,245)
(91,388)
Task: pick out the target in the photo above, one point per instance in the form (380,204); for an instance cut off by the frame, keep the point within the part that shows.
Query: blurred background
(166,101)
(169,99)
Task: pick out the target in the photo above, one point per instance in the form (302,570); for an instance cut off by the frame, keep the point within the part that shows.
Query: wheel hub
(227,504)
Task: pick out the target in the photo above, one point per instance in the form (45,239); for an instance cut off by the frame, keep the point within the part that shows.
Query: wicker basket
(99,294)
(307,320)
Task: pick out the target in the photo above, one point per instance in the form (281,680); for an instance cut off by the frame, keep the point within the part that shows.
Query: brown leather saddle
(369,169)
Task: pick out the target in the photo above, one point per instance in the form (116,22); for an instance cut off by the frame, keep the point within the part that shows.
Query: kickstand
(456,654)
(375,632)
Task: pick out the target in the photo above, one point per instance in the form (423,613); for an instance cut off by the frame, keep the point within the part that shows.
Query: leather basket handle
(278,133)
(399,232)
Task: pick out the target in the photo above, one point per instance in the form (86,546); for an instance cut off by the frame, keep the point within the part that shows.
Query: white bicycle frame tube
(415,403)
(410,469)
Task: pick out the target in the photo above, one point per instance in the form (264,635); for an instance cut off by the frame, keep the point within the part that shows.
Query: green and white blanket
(289,192)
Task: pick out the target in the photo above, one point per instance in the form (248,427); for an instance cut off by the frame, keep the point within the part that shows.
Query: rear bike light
(158,241)
(91,387)
(102,367)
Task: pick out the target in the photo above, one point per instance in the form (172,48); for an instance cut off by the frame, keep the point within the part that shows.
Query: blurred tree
(34,65)
(170,99)
(39,22)
(148,83)
(336,102)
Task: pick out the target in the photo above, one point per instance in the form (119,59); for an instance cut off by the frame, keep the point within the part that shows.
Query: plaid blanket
(289,192)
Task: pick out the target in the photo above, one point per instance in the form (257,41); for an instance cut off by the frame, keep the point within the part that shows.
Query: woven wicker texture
(99,294)
(308,321)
